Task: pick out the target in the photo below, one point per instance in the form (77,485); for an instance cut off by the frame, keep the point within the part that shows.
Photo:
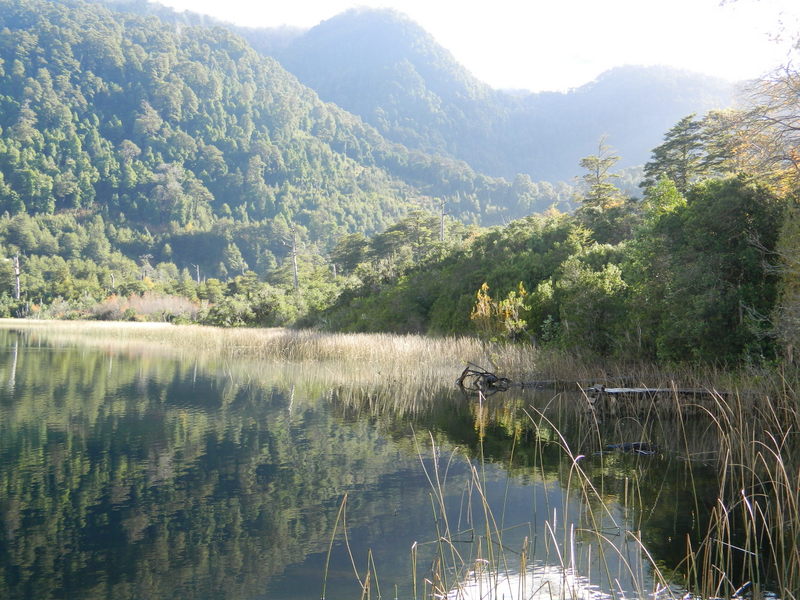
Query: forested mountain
(383,67)
(140,154)
(191,139)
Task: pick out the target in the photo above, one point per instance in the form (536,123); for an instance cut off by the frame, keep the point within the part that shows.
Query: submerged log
(477,379)
(643,448)
(638,401)
(644,393)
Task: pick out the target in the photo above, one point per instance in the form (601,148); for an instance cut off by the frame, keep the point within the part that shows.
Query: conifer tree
(680,157)
(602,207)
(601,193)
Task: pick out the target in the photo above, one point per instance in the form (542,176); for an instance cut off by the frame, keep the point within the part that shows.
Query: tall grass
(750,546)
(269,343)
(747,535)
(759,495)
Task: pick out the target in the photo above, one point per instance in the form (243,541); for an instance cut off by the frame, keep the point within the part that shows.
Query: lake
(139,474)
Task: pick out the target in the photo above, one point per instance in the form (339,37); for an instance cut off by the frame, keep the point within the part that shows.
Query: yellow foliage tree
(500,320)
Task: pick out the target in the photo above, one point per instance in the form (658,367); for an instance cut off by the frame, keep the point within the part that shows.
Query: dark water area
(130,476)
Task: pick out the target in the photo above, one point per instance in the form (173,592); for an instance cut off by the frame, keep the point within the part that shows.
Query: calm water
(128,476)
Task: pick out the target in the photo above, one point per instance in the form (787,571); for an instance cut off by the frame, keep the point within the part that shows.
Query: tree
(602,205)
(649,266)
(787,313)
(773,127)
(500,320)
(601,194)
(211,290)
(680,157)
(771,147)
(660,199)
(590,305)
(234,259)
(350,250)
(722,289)
(725,141)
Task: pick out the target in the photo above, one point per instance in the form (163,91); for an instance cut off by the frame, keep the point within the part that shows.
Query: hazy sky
(558,44)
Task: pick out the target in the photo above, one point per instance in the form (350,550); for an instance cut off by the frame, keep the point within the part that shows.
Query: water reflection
(136,475)
(539,582)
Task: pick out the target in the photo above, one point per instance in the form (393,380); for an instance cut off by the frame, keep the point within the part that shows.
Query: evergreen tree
(680,157)
(602,204)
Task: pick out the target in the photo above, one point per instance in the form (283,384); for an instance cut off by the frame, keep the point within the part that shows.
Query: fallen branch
(476,379)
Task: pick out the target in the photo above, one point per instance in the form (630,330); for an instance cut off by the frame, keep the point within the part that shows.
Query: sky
(543,45)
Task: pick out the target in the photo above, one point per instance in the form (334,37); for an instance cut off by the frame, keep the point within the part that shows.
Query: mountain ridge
(382,66)
(442,108)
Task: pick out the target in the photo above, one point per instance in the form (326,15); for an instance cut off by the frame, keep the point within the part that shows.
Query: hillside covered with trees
(385,68)
(131,148)
(702,269)
(157,169)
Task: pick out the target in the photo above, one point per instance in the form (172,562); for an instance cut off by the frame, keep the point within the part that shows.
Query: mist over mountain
(631,106)
(385,68)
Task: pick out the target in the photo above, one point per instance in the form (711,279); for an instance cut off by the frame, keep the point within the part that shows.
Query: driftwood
(609,400)
(475,379)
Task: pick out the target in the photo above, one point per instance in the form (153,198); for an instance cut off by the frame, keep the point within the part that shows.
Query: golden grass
(394,356)
(268,343)
(389,362)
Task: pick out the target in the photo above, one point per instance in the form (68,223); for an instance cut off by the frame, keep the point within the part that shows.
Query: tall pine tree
(680,157)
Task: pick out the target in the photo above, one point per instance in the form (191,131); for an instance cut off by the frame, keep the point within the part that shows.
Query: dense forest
(702,268)
(151,169)
(380,65)
(177,133)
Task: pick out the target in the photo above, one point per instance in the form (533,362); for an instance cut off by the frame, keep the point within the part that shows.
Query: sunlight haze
(555,46)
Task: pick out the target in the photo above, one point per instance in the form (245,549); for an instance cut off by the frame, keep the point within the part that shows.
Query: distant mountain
(383,67)
(380,65)
(633,106)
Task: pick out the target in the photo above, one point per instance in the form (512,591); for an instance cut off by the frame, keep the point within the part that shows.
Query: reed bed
(746,541)
(750,546)
(264,344)
(401,356)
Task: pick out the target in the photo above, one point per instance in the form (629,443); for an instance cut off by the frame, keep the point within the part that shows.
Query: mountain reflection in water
(132,475)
